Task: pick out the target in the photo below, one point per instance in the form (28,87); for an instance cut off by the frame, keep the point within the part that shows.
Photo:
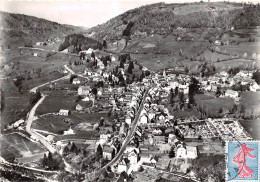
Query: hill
(18,29)
(161,35)
(164,19)
(79,42)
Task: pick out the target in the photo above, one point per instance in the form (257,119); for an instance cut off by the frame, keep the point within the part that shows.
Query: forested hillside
(18,28)
(164,19)
(79,42)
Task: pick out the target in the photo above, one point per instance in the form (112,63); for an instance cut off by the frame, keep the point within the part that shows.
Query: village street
(130,134)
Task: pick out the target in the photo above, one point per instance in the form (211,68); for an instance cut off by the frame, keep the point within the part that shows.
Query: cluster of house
(128,102)
(150,146)
(224,82)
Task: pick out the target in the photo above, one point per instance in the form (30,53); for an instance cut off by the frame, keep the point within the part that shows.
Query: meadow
(56,100)
(56,123)
(213,105)
(251,101)
(14,105)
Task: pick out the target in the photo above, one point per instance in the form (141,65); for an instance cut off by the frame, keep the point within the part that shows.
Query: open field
(166,45)
(192,8)
(51,47)
(15,146)
(14,105)
(150,61)
(56,124)
(251,101)
(53,124)
(41,69)
(240,49)
(242,35)
(87,135)
(186,113)
(242,63)
(213,105)
(56,100)
(252,127)
(214,56)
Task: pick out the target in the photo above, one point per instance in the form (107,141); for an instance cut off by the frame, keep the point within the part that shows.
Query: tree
(201,111)
(44,160)
(104,44)
(49,160)
(171,153)
(242,110)
(35,97)
(220,110)
(99,150)
(73,148)
(104,60)
(181,97)
(72,78)
(19,83)
(186,70)
(94,91)
(147,73)
(256,77)
(101,122)
(176,90)
(171,96)
(93,55)
(66,150)
(234,108)
(130,68)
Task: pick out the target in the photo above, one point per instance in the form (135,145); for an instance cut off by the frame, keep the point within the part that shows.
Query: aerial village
(145,134)
(142,132)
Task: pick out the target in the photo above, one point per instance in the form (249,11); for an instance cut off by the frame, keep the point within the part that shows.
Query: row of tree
(52,162)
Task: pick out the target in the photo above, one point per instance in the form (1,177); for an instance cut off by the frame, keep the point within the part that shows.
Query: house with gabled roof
(123,165)
(84,90)
(108,152)
(144,119)
(231,93)
(79,108)
(133,156)
(64,112)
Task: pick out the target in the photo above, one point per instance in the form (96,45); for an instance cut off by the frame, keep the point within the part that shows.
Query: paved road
(130,134)
(31,117)
(69,70)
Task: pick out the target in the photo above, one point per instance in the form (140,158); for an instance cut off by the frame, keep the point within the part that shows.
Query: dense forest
(79,42)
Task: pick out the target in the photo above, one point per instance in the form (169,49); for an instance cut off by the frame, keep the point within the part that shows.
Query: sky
(85,13)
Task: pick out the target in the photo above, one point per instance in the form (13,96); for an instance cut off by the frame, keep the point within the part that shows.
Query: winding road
(62,78)
(31,117)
